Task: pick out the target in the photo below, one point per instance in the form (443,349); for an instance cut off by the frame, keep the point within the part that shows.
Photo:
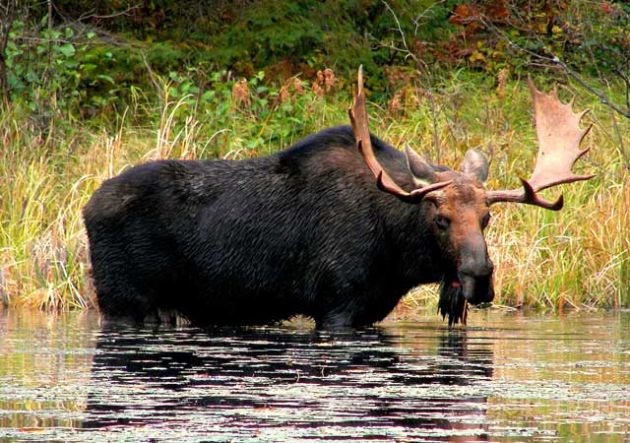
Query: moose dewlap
(337,227)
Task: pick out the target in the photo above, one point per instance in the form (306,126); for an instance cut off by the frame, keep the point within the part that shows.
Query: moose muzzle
(475,272)
(472,283)
(477,288)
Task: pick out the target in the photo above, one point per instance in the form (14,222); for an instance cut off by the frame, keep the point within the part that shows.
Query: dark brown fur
(305,231)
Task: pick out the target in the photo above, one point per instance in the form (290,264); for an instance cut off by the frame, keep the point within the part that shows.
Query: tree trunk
(8,10)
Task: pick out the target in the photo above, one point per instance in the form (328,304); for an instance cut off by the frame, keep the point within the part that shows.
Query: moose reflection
(231,383)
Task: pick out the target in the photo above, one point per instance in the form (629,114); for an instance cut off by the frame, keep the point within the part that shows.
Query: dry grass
(575,258)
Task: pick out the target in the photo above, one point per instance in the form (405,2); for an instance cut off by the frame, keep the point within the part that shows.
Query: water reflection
(508,378)
(267,382)
(456,365)
(43,360)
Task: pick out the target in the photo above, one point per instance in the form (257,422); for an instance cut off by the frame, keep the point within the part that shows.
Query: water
(504,378)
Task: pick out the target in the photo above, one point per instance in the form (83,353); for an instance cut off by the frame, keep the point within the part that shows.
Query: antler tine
(559,136)
(359,119)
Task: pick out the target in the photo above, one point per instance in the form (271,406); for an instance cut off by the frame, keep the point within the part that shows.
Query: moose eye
(442,222)
(485,220)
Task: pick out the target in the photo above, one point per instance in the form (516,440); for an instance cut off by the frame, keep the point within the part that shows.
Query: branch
(555,61)
(402,37)
(603,98)
(416,21)
(9,10)
(90,14)
(422,68)
(626,80)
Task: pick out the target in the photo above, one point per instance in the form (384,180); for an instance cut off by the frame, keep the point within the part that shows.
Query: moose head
(459,204)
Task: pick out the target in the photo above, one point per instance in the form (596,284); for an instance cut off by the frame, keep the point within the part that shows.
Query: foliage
(86,58)
(55,72)
(283,38)
(60,69)
(591,37)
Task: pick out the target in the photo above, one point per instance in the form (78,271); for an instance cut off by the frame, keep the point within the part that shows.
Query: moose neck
(414,255)
(418,258)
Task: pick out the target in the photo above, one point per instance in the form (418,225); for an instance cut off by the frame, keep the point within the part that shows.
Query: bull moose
(337,227)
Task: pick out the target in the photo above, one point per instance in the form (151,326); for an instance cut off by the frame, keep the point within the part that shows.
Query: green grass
(577,258)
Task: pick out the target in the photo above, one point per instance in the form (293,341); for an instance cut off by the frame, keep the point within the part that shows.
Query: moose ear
(422,172)
(475,164)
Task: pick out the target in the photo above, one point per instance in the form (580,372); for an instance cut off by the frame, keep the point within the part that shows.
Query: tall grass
(576,258)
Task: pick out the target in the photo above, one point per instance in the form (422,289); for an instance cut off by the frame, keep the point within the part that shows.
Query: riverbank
(51,164)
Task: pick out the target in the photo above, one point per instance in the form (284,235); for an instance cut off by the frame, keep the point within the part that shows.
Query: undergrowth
(49,167)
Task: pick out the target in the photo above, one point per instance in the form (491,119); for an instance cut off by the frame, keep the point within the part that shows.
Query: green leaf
(67,50)
(106,78)
(207,96)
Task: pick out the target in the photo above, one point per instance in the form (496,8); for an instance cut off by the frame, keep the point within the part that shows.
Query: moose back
(337,227)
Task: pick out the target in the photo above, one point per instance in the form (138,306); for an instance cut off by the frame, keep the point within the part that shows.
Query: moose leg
(120,290)
(121,306)
(332,300)
(350,310)
(335,321)
(118,296)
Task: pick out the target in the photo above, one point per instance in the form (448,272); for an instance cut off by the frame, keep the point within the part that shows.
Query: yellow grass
(577,258)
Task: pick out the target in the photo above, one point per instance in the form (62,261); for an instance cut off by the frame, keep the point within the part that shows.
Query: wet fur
(452,304)
(305,231)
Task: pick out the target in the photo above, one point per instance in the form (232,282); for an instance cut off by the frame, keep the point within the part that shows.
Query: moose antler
(359,120)
(559,136)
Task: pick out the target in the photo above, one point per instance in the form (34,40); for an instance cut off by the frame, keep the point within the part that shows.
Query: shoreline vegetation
(88,90)
(577,258)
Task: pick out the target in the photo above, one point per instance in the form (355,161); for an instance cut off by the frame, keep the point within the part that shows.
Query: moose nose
(474,262)
(477,283)
(477,270)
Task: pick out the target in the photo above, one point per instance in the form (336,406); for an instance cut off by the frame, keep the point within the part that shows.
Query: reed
(577,258)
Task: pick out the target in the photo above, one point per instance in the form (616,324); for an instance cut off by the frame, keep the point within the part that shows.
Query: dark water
(505,378)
